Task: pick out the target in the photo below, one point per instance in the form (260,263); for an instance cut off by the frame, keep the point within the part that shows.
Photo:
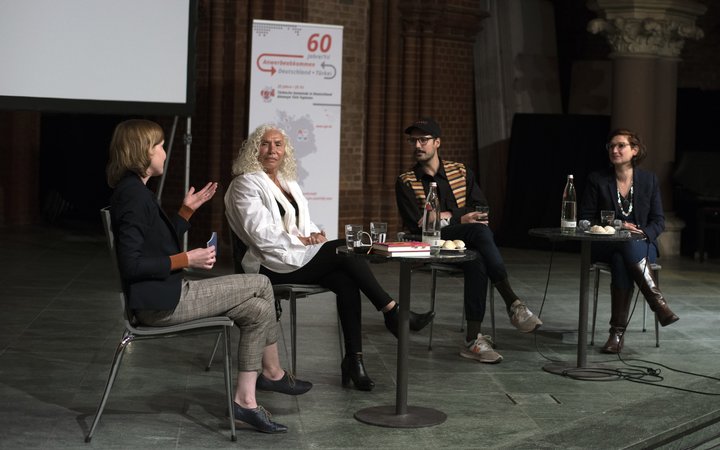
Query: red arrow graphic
(272,68)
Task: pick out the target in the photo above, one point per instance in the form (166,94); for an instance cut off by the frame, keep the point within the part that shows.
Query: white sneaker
(481,350)
(522,318)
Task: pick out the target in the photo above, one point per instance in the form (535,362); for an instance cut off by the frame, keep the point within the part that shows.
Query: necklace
(625,203)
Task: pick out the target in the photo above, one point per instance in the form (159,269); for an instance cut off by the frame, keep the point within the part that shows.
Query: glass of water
(607,217)
(378,231)
(352,236)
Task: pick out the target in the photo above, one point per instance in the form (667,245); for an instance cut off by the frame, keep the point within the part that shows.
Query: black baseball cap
(426,124)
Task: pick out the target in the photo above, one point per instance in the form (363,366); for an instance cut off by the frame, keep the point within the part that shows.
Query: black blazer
(145,237)
(601,193)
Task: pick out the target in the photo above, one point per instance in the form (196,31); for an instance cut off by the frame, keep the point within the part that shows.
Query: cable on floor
(636,373)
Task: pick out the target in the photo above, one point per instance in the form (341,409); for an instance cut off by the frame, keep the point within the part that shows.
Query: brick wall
(401,59)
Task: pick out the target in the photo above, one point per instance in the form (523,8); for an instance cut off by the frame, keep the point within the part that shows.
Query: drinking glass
(607,217)
(378,231)
(352,236)
(484,211)
(617,224)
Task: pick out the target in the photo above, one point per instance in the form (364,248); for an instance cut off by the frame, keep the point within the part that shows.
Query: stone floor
(61,323)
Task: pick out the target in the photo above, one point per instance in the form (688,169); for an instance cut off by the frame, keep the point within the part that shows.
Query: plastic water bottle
(568,214)
(431,217)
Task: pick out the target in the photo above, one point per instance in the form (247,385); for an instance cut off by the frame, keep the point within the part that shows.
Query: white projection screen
(98,56)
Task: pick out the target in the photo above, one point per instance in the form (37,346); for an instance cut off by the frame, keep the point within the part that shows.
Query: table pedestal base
(416,417)
(589,372)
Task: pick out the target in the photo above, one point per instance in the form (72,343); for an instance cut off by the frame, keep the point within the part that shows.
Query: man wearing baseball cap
(459,195)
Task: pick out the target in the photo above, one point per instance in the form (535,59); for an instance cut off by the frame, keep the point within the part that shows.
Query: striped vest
(456,175)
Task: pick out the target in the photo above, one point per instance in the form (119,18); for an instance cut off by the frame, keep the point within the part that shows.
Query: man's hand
(475,217)
(444,215)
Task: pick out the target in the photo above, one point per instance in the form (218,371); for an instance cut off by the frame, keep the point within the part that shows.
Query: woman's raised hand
(194,200)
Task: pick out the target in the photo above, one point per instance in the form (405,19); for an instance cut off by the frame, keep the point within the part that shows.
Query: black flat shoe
(352,368)
(417,321)
(420,321)
(288,384)
(258,418)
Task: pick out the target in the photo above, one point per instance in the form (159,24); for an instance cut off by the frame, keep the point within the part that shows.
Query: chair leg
(491,295)
(340,337)
(293,331)
(117,359)
(228,381)
(212,355)
(657,324)
(596,288)
(432,306)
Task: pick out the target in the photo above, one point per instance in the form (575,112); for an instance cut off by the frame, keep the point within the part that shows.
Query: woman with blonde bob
(269,213)
(151,260)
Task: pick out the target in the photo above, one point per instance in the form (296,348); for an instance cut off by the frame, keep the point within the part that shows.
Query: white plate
(453,250)
(599,234)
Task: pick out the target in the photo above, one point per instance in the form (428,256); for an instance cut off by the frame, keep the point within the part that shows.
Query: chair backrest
(239,248)
(107,225)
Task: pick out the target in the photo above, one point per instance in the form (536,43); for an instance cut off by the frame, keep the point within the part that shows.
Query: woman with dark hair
(269,213)
(151,260)
(634,195)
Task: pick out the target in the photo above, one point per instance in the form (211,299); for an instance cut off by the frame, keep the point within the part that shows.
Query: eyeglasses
(620,145)
(423,140)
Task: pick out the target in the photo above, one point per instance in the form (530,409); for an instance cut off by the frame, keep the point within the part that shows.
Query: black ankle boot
(417,321)
(352,368)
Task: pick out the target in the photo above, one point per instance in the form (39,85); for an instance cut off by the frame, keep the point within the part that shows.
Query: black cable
(542,304)
(636,373)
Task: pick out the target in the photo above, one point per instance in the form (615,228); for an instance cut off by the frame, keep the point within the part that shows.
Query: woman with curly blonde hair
(269,213)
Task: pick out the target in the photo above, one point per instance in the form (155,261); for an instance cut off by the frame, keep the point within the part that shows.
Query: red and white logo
(303,135)
(267,94)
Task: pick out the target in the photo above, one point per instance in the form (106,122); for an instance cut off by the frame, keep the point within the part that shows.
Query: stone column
(647,37)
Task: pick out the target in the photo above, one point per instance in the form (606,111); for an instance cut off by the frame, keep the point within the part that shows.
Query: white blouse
(251,207)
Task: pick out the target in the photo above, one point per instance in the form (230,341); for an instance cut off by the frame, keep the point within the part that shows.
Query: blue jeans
(488,265)
(620,256)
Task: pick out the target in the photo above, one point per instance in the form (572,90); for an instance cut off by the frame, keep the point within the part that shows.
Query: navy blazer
(601,193)
(145,237)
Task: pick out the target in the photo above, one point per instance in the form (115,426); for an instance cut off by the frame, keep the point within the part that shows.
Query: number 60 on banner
(315,42)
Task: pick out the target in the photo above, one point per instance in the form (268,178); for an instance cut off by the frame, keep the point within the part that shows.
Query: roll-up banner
(296,84)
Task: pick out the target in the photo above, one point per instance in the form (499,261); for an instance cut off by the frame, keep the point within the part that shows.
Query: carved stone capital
(642,28)
(646,36)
